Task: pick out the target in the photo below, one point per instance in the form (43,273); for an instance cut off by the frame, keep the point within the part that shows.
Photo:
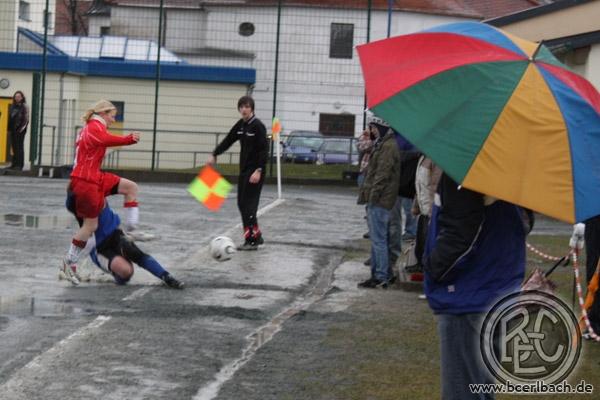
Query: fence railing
(294,149)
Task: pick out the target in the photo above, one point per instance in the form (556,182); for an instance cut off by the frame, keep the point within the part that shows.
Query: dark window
(337,124)
(24,11)
(120,106)
(104,30)
(342,38)
(246,29)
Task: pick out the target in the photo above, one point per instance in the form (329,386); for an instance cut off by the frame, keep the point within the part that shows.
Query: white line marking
(260,212)
(138,293)
(43,361)
(259,338)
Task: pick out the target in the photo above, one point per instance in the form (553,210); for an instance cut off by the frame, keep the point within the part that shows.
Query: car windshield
(336,146)
(312,143)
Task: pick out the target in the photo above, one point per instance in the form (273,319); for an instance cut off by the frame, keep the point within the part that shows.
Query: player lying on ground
(115,252)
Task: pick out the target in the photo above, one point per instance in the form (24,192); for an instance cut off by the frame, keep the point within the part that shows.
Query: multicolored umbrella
(501,115)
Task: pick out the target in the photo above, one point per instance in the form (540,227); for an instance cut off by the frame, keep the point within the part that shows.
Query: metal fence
(176,68)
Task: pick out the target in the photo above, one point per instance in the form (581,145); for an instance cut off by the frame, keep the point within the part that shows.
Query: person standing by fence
(252,134)
(18,120)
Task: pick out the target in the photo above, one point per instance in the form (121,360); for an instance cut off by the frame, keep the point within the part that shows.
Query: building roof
(215,52)
(497,8)
(535,12)
(69,59)
(567,43)
(115,47)
(466,8)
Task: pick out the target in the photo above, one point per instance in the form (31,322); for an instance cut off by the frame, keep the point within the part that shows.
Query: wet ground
(144,341)
(254,327)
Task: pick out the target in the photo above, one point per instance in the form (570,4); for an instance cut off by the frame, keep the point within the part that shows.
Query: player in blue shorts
(115,252)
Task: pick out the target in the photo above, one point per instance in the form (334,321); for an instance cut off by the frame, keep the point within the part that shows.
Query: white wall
(593,66)
(8,29)
(97,22)
(309,81)
(36,12)
(192,111)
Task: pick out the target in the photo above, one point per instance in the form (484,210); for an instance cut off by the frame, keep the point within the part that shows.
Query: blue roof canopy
(117,57)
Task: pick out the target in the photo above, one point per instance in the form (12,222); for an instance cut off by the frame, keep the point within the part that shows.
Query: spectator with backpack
(407,189)
(427,177)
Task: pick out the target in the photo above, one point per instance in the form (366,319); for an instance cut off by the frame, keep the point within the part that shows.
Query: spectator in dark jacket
(18,120)
(475,254)
(252,134)
(380,192)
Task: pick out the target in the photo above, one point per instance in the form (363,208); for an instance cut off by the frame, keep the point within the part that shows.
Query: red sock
(79,243)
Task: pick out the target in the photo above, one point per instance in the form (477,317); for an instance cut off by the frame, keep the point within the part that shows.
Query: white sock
(132,217)
(74,252)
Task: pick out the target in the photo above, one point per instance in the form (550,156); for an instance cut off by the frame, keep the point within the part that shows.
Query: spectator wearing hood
(380,193)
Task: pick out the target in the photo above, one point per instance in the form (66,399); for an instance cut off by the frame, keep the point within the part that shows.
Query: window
(24,10)
(246,29)
(120,106)
(337,124)
(104,30)
(342,38)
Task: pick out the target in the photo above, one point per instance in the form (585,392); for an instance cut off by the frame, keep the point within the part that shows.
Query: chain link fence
(176,68)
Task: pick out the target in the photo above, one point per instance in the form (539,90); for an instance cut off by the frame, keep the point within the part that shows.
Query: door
(5,155)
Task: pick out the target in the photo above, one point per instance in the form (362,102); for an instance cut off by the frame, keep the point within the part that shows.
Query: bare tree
(71,17)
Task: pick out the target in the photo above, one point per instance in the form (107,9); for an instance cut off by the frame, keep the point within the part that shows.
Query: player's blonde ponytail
(101,106)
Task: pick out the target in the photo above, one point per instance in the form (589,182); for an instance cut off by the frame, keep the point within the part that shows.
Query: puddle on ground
(36,307)
(39,221)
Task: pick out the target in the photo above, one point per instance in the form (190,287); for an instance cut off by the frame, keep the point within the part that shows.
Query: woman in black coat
(18,119)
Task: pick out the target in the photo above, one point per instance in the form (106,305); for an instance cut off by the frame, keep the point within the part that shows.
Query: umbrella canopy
(499,114)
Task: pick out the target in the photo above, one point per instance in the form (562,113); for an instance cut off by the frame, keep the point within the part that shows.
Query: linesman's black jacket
(253,140)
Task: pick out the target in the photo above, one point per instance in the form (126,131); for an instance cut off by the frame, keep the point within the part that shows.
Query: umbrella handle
(547,273)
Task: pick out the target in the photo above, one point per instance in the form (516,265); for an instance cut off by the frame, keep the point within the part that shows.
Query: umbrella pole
(551,270)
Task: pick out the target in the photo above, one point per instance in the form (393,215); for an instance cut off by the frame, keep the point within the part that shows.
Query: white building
(570,29)
(27,14)
(319,83)
(196,102)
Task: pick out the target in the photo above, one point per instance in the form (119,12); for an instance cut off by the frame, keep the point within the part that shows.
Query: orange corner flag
(276,128)
(209,188)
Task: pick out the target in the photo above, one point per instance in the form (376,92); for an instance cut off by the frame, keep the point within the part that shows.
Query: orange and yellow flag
(210,188)
(276,128)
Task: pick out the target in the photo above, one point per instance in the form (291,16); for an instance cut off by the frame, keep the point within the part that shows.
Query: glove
(577,236)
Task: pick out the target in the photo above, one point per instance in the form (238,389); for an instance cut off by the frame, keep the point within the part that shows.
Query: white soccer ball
(222,248)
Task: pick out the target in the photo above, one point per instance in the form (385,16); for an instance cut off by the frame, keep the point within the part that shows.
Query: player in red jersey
(91,185)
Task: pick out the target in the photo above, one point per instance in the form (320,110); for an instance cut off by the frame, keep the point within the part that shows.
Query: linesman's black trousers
(248,198)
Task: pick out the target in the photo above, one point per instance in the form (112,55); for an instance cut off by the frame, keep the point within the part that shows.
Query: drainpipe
(43,90)
(61,113)
(157,81)
(368,40)
(275,82)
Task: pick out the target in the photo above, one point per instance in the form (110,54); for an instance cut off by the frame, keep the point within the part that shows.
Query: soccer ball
(222,248)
